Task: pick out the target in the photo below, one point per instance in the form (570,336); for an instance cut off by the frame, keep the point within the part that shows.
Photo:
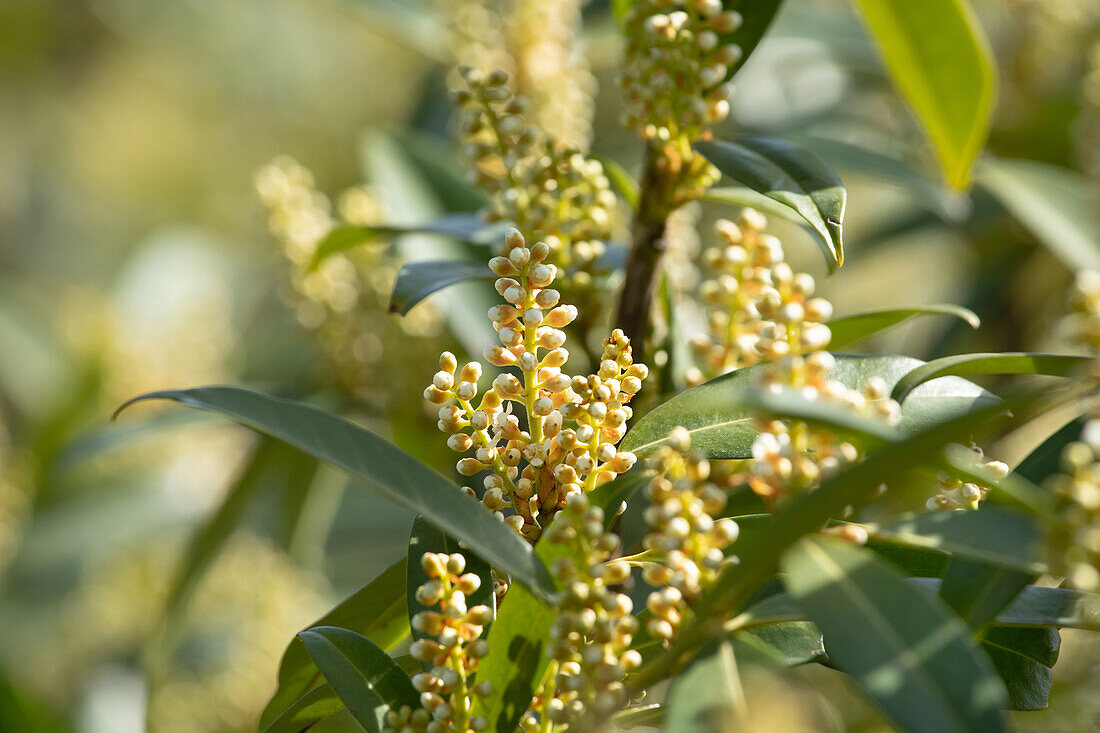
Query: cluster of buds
(758,307)
(678,57)
(1075,541)
(549,190)
(591,636)
(687,537)
(1082,325)
(339,300)
(450,641)
(957,494)
(573,423)
(792,458)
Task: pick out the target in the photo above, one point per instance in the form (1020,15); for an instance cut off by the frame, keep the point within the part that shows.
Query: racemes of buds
(553,192)
(1074,541)
(957,494)
(573,423)
(688,536)
(450,641)
(591,635)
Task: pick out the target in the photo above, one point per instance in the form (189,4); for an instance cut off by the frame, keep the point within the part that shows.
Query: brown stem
(650,222)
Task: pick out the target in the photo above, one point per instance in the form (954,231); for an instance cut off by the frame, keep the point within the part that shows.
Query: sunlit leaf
(851,330)
(721,425)
(907,651)
(791,175)
(364,676)
(707,696)
(465,227)
(1009,363)
(386,468)
(1057,205)
(939,59)
(376,611)
(417,280)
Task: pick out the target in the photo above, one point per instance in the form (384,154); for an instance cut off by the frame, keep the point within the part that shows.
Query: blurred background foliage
(159,179)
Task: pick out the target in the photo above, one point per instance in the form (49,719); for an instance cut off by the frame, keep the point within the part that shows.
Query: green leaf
(786,644)
(1057,365)
(366,679)
(465,227)
(426,538)
(651,715)
(318,704)
(708,695)
(940,61)
(1035,607)
(1057,205)
(989,535)
(853,329)
(790,175)
(417,280)
(721,425)
(620,179)
(1024,658)
(376,611)
(388,469)
(756,18)
(906,651)
(747,198)
(1046,459)
(978,591)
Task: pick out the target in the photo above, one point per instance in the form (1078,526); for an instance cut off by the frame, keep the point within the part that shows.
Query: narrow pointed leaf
(386,468)
(785,644)
(851,330)
(1046,459)
(318,704)
(465,227)
(948,75)
(1024,658)
(368,681)
(423,538)
(721,423)
(746,197)
(906,651)
(1057,365)
(376,611)
(756,18)
(708,697)
(1057,205)
(977,591)
(790,175)
(417,280)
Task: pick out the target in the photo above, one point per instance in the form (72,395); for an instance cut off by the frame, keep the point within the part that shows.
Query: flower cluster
(957,494)
(572,423)
(452,645)
(591,636)
(678,57)
(1075,541)
(550,191)
(1083,323)
(758,307)
(686,535)
(339,300)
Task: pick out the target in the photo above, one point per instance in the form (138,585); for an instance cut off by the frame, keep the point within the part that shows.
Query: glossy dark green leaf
(745,197)
(318,704)
(790,175)
(853,329)
(1034,607)
(465,227)
(906,651)
(1057,205)
(948,76)
(417,280)
(376,611)
(426,538)
(1058,365)
(386,468)
(786,644)
(721,425)
(707,696)
(368,681)
(978,591)
(989,535)
(1024,658)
